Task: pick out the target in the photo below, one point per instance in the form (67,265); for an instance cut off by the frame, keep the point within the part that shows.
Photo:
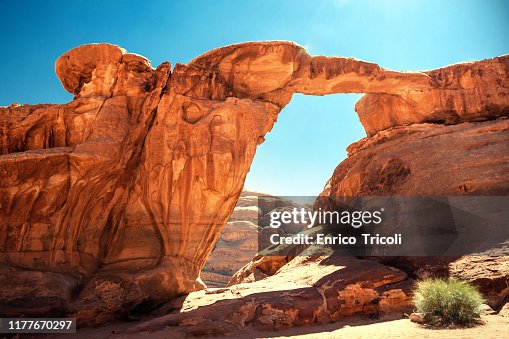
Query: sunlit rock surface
(119,196)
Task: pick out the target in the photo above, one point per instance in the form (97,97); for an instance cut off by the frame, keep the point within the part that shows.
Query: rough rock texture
(490,274)
(435,160)
(237,244)
(258,268)
(119,196)
(265,263)
(427,159)
(309,290)
(471,91)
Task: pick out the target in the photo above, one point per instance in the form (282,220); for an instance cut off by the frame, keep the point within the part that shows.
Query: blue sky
(310,138)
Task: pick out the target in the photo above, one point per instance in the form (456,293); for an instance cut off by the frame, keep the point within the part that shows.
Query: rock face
(119,196)
(427,159)
(470,158)
(309,290)
(489,274)
(237,244)
(466,92)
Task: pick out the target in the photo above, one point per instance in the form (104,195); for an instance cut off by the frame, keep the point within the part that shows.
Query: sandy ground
(494,327)
(356,327)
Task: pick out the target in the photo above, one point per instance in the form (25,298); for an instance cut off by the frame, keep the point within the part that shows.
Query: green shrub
(448,302)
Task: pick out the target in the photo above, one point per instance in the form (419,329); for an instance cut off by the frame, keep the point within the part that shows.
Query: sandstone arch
(131,182)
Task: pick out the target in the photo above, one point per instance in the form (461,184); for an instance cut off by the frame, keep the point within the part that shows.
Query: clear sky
(310,138)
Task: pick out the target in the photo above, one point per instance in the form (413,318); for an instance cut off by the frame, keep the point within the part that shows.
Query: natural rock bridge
(122,193)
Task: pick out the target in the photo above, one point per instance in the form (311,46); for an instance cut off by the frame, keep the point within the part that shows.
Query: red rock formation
(127,186)
(435,160)
(304,292)
(237,244)
(465,92)
(446,157)
(427,159)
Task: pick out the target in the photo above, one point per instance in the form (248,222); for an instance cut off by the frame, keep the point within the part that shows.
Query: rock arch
(130,183)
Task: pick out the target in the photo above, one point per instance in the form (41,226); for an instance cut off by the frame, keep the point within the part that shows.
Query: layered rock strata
(237,244)
(119,196)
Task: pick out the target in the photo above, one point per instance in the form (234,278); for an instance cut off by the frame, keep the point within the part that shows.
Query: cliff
(111,203)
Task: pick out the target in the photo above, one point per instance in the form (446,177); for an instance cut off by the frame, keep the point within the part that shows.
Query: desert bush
(448,302)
